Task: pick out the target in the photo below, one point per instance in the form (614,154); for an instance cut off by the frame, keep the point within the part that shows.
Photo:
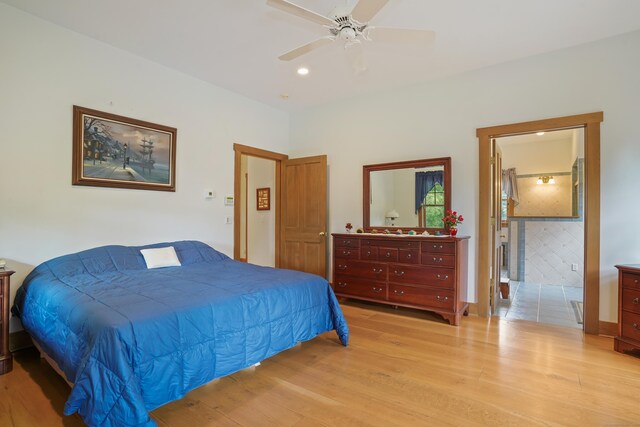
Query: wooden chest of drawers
(628,339)
(428,273)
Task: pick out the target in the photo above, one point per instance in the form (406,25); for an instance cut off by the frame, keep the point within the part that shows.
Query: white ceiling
(235,43)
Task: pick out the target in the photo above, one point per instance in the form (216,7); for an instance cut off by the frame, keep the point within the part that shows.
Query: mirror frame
(366,192)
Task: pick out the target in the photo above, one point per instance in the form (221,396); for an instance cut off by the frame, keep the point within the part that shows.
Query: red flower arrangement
(452,219)
(348,227)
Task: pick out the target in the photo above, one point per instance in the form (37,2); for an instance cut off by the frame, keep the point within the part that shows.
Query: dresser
(628,339)
(423,272)
(6,360)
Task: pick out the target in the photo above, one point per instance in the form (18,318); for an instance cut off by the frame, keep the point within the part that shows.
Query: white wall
(393,190)
(439,119)
(45,71)
(261,225)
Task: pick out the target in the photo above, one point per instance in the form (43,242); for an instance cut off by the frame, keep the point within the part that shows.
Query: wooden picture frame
(116,151)
(263,199)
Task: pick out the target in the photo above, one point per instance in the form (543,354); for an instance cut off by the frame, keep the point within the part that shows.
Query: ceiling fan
(350,27)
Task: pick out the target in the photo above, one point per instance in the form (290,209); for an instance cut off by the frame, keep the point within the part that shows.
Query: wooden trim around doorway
(591,124)
(239,150)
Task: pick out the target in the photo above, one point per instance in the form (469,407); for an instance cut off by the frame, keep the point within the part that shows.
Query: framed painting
(116,151)
(263,199)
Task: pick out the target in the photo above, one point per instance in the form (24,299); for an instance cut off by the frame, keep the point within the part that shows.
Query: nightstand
(6,360)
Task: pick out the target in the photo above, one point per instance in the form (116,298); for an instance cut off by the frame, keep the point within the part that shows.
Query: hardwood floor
(399,369)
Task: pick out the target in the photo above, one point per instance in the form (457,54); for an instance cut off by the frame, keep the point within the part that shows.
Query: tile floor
(541,303)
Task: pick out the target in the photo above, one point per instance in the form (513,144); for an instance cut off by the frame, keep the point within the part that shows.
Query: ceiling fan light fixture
(303,71)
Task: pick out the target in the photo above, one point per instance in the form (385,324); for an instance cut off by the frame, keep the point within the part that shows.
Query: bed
(131,339)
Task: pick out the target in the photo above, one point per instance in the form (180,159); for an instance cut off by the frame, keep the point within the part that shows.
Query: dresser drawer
(408,256)
(391,242)
(436,277)
(631,281)
(388,254)
(631,300)
(631,326)
(439,260)
(439,247)
(369,253)
(348,242)
(346,252)
(362,269)
(345,285)
(435,298)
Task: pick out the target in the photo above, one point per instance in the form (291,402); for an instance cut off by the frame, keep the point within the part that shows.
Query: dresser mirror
(409,195)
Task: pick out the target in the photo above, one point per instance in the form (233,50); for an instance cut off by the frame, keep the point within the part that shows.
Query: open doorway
(258,211)
(256,236)
(489,224)
(542,233)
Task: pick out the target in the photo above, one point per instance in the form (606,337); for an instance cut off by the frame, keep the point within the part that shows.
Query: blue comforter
(132,339)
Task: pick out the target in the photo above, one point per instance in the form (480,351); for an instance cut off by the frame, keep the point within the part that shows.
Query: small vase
(453,231)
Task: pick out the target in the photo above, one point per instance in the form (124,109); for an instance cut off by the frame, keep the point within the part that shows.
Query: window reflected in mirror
(410,195)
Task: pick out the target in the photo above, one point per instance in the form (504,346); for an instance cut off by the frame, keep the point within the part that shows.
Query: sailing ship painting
(116,151)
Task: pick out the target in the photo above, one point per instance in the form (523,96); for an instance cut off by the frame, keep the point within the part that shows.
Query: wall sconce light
(392,215)
(545,180)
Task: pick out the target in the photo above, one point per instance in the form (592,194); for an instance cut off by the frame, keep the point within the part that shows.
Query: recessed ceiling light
(539,133)
(303,71)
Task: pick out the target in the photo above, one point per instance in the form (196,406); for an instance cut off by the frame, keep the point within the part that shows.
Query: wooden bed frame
(51,362)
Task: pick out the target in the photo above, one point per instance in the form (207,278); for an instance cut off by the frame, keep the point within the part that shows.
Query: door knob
(322,233)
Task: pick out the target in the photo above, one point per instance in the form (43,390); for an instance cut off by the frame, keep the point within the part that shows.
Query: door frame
(246,150)
(591,124)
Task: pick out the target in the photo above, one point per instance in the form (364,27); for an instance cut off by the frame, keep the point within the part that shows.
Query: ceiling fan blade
(400,35)
(296,10)
(299,51)
(367,9)
(356,59)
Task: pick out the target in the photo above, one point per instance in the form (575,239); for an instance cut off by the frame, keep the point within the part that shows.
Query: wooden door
(496,223)
(304,215)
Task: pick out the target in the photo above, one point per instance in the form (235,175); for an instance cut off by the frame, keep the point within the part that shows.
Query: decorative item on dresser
(628,339)
(424,272)
(6,360)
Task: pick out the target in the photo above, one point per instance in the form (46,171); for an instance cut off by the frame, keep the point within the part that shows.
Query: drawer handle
(342,285)
(377,271)
(437,259)
(635,326)
(388,254)
(438,247)
(368,253)
(342,267)
(347,242)
(377,290)
(408,256)
(346,252)
(439,277)
(397,292)
(636,300)
(439,298)
(635,281)
(401,273)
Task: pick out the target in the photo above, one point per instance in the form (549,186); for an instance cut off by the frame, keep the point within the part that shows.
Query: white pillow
(160,257)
